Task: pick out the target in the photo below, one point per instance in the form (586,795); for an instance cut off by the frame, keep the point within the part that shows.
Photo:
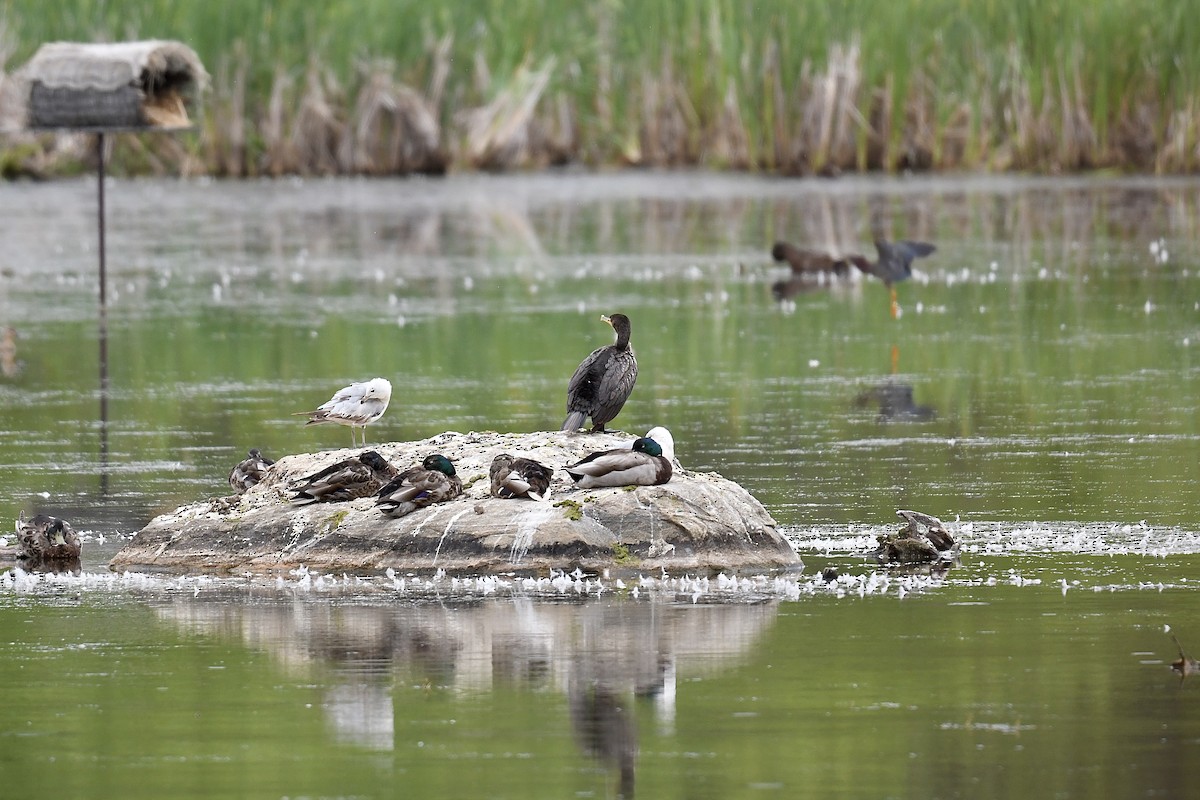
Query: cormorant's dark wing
(616,384)
(585,383)
(896,258)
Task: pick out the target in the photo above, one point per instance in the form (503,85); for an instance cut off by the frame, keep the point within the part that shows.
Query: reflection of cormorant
(603,722)
(603,381)
(894,264)
(895,402)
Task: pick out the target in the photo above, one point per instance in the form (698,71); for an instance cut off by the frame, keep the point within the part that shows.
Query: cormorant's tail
(574,421)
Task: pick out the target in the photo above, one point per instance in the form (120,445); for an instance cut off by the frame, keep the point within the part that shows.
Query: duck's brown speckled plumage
(435,481)
(346,480)
(250,471)
(47,538)
(519,477)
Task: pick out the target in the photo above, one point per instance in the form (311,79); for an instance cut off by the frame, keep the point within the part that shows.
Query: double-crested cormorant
(602,382)
(894,264)
(358,405)
(433,482)
(641,465)
(346,480)
(519,477)
(46,538)
(249,471)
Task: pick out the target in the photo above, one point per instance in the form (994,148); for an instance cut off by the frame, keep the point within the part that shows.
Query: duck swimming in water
(345,480)
(519,477)
(435,481)
(643,464)
(47,538)
(894,264)
(809,262)
(249,471)
(357,405)
(603,381)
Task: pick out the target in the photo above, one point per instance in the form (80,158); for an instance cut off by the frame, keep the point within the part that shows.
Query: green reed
(794,87)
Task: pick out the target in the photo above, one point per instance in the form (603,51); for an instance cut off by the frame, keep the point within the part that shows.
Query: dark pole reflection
(103,318)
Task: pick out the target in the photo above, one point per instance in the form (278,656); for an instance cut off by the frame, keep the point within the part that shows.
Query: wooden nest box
(125,85)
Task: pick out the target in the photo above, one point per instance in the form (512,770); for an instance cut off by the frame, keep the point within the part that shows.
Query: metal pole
(103,324)
(100,191)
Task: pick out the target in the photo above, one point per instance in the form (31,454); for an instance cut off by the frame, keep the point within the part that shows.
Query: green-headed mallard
(642,464)
(249,471)
(433,482)
(664,439)
(47,538)
(894,264)
(345,480)
(519,477)
(358,405)
(603,381)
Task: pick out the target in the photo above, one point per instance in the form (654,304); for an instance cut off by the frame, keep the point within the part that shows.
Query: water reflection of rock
(606,656)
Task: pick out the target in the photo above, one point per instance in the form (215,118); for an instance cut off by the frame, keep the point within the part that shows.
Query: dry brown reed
(394,130)
(498,134)
(728,110)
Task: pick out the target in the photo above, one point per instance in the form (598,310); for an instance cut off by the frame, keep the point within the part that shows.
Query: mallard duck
(929,528)
(642,464)
(433,482)
(519,477)
(603,381)
(1185,665)
(249,471)
(47,538)
(894,264)
(358,405)
(665,440)
(896,402)
(345,480)
(809,262)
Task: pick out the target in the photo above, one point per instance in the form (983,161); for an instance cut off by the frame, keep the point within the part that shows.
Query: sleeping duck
(249,471)
(433,482)
(47,538)
(643,464)
(519,477)
(345,480)
(664,439)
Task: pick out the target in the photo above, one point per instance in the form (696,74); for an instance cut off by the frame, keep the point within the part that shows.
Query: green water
(1055,347)
(966,690)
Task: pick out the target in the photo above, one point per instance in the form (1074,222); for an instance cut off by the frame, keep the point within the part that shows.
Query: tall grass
(393,86)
